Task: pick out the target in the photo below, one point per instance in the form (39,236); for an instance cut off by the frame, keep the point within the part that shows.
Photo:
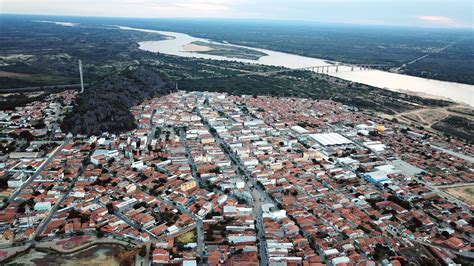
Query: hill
(105,105)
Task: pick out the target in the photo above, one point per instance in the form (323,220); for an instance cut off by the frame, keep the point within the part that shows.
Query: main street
(38,171)
(39,230)
(199,224)
(192,164)
(256,192)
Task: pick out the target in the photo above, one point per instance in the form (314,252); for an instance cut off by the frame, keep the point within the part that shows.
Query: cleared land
(456,120)
(6,74)
(186,238)
(465,193)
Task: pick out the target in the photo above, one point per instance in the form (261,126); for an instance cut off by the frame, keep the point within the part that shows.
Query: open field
(6,74)
(186,238)
(455,120)
(464,193)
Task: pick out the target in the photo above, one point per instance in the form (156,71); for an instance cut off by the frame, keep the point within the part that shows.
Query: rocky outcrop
(105,106)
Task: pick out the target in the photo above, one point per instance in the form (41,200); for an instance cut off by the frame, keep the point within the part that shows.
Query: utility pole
(80,74)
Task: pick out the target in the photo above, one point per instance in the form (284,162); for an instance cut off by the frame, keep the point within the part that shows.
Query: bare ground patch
(465,193)
(6,74)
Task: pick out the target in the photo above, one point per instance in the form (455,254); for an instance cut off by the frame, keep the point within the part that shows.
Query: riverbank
(457,92)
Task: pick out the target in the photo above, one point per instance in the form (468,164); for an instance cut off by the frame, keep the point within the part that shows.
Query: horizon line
(471,28)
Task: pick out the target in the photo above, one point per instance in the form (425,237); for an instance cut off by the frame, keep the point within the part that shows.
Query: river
(458,92)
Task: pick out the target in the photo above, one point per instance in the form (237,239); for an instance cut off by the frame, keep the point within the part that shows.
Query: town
(215,179)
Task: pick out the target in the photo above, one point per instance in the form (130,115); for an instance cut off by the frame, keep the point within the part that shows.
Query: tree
(25,134)
(110,208)
(445,234)
(142,251)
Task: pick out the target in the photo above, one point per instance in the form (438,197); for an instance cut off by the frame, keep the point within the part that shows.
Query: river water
(457,92)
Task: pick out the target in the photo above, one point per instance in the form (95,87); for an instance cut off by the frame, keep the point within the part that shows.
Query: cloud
(441,21)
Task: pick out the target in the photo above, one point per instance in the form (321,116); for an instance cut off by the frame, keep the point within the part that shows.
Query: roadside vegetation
(457,126)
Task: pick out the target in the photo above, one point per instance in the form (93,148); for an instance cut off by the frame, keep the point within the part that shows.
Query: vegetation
(453,64)
(457,126)
(388,46)
(106,51)
(143,251)
(229,51)
(105,106)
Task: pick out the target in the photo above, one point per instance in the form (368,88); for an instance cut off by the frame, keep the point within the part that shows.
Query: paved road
(257,194)
(38,171)
(199,225)
(454,153)
(192,164)
(39,230)
(456,185)
(151,135)
(440,192)
(201,247)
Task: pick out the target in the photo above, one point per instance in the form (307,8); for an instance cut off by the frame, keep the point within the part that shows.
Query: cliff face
(105,106)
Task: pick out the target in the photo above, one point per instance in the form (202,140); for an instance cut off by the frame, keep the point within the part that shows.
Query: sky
(420,13)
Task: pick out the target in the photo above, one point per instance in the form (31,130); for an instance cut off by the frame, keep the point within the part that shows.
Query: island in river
(436,89)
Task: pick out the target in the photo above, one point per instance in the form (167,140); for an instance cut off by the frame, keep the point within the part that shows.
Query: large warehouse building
(330,139)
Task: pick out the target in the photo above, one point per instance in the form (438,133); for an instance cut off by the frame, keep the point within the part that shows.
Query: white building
(330,139)
(42,206)
(17,180)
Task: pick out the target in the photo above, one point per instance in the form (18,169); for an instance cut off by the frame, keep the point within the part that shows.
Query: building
(17,180)
(42,206)
(330,139)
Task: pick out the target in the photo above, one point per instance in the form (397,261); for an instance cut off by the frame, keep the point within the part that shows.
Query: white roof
(172,228)
(375,146)
(299,129)
(188,262)
(339,260)
(43,204)
(330,139)
(331,252)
